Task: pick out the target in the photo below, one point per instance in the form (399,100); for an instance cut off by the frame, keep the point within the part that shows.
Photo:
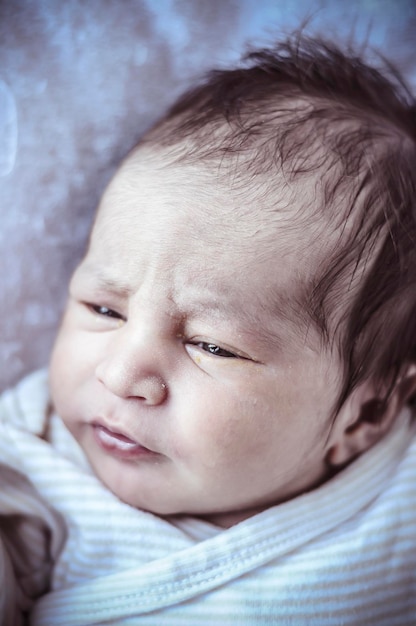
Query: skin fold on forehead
(230,206)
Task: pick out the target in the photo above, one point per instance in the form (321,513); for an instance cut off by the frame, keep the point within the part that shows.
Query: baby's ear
(364,419)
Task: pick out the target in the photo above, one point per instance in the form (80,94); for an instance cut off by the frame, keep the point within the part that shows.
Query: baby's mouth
(118,444)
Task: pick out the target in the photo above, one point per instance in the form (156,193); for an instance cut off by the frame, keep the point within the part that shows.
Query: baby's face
(182,367)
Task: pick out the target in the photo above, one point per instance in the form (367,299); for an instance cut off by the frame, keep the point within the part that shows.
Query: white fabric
(344,554)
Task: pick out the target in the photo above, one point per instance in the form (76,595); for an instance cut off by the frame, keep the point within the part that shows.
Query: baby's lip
(115,433)
(111,436)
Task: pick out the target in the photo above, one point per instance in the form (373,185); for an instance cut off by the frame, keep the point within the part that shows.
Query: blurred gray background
(80,81)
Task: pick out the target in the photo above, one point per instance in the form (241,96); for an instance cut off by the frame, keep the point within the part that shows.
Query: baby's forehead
(240,222)
(223,204)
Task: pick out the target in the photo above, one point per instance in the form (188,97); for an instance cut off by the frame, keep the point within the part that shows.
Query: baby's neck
(231,518)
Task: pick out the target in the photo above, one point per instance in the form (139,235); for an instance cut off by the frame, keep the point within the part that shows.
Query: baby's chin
(164,507)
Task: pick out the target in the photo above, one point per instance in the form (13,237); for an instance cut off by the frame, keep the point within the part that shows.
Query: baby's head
(242,325)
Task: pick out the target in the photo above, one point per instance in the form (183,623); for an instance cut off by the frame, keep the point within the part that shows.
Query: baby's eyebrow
(276,321)
(105,281)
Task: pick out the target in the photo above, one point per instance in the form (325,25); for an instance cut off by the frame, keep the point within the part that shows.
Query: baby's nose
(132,371)
(150,388)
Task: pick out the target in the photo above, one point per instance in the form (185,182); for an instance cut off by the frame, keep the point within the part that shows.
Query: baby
(223,437)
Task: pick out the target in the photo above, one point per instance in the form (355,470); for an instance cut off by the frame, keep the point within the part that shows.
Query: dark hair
(280,107)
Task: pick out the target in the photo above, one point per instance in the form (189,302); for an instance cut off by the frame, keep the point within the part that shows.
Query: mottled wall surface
(79,84)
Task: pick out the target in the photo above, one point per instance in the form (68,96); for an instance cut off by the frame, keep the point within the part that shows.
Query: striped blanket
(72,554)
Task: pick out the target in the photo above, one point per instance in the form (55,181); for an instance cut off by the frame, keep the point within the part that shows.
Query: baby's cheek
(235,433)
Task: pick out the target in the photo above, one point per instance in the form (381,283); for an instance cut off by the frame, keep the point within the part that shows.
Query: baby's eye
(212,348)
(105,311)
